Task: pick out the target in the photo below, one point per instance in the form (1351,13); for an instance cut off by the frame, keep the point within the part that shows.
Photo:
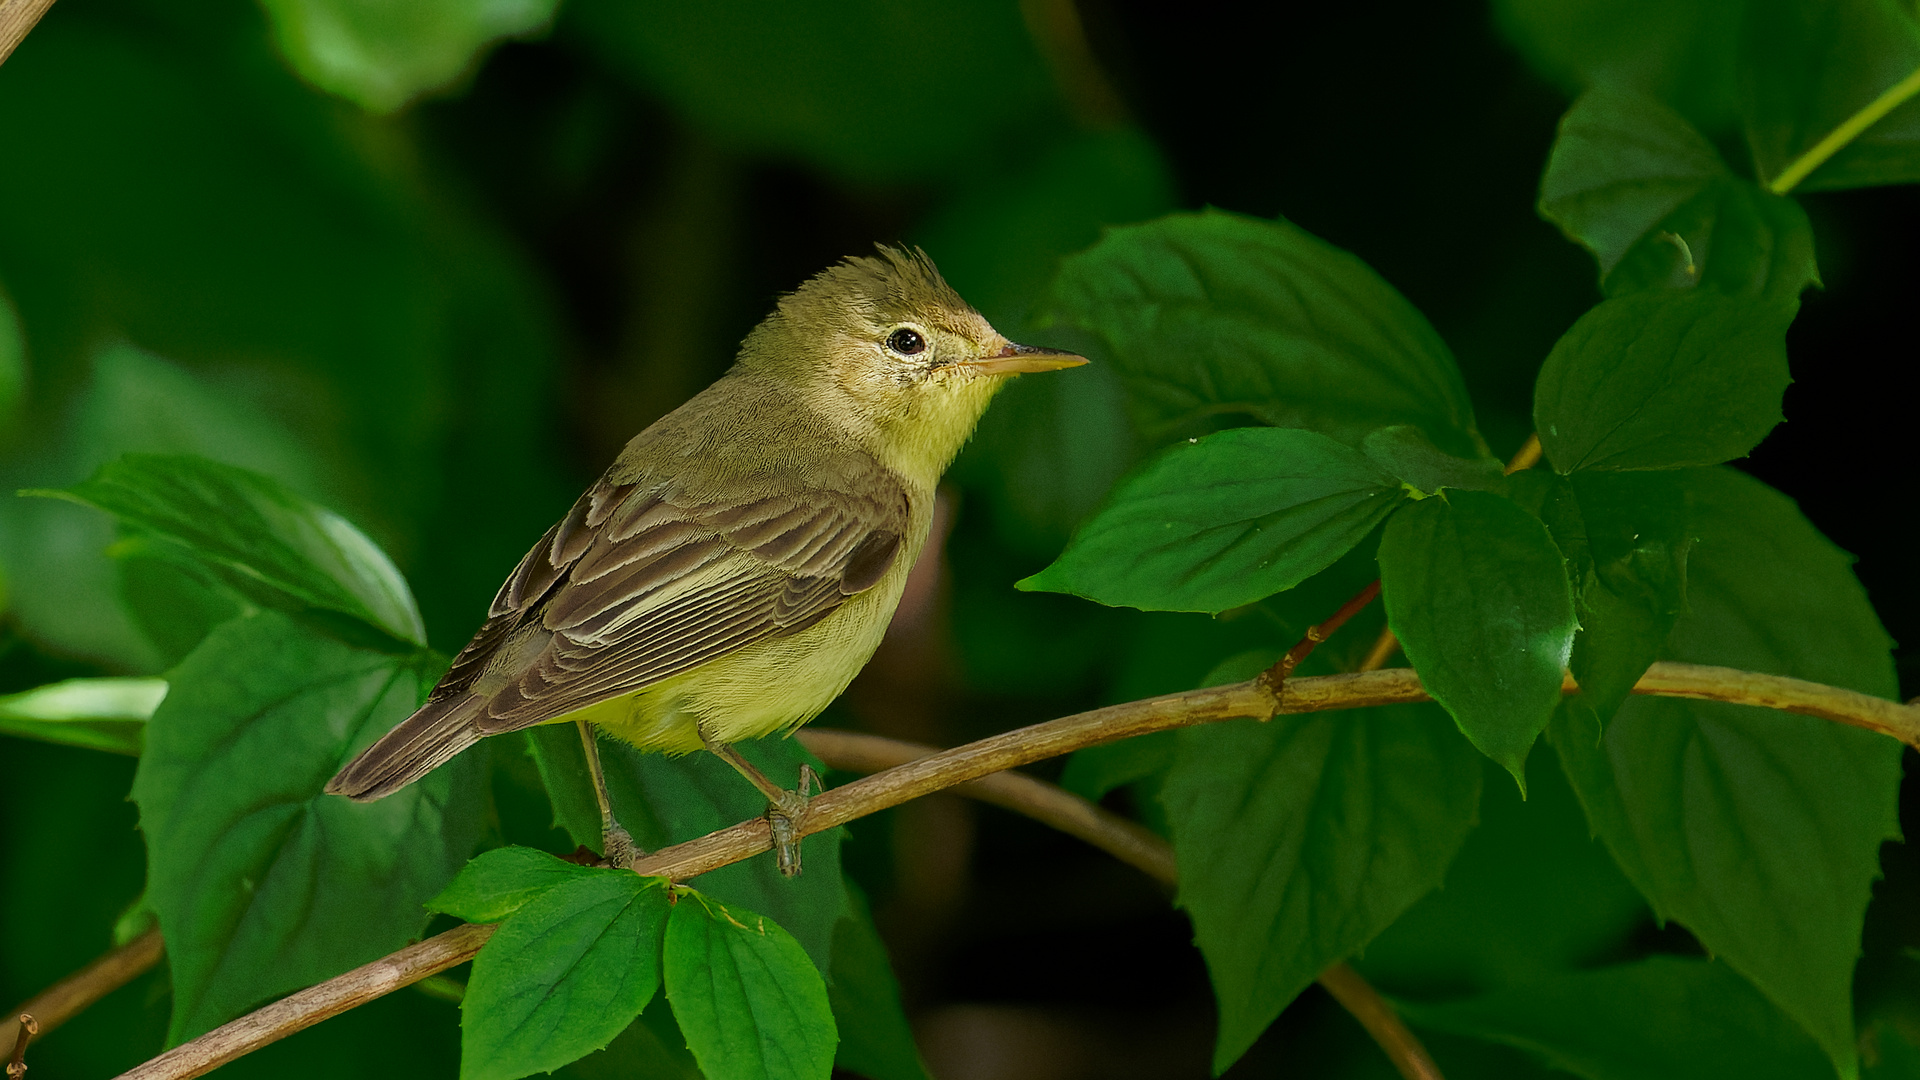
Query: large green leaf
(1813,64)
(875,1039)
(1216,315)
(563,975)
(99,714)
(1682,52)
(752,1006)
(1758,830)
(263,540)
(1656,1019)
(262,883)
(382,55)
(1635,184)
(1224,521)
(1302,838)
(1477,593)
(1663,380)
(664,801)
(875,91)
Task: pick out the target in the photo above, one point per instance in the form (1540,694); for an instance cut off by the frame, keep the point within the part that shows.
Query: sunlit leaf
(501,882)
(750,1003)
(99,714)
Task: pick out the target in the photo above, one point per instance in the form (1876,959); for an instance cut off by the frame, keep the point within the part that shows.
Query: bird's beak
(1013,359)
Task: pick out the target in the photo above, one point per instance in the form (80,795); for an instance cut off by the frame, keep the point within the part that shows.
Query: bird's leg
(785,809)
(616,843)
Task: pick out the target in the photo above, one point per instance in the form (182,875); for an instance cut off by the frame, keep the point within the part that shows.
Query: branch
(973,761)
(65,999)
(16,18)
(1130,843)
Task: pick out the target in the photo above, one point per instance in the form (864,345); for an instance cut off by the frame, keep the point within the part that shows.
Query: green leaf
(502,881)
(1634,183)
(1215,315)
(1758,830)
(798,80)
(750,1003)
(875,1039)
(1635,525)
(262,883)
(664,801)
(1223,521)
(1811,66)
(1405,452)
(264,541)
(563,975)
(1682,52)
(1302,838)
(98,714)
(1096,770)
(1478,595)
(13,367)
(380,56)
(1662,381)
(651,1048)
(1664,1017)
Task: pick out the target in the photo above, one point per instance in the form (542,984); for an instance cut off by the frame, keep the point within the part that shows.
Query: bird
(738,563)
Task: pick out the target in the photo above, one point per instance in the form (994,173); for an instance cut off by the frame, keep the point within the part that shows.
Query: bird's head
(883,344)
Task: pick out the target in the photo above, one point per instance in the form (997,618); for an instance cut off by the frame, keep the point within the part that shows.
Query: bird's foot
(786,811)
(618,848)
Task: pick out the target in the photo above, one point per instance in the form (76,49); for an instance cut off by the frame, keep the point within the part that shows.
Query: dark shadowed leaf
(1407,454)
(1634,183)
(664,801)
(99,714)
(1478,594)
(1224,521)
(1760,831)
(1636,530)
(1814,64)
(381,56)
(1302,838)
(1663,380)
(1093,772)
(262,883)
(875,1040)
(750,1003)
(500,882)
(651,1048)
(1664,1018)
(563,975)
(264,541)
(1216,315)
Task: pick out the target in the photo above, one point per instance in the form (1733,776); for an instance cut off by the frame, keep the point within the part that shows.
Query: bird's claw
(786,810)
(619,849)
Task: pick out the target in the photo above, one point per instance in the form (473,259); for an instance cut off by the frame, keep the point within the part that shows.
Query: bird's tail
(420,744)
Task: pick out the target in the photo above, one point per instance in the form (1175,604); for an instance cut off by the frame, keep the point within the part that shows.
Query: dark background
(452,318)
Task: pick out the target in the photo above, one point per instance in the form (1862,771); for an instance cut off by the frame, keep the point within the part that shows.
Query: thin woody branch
(1127,841)
(70,996)
(973,761)
(17,17)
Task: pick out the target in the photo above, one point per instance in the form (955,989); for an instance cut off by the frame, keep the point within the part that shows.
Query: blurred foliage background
(437,293)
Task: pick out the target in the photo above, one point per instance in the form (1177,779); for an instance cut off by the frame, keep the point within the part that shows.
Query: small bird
(739,563)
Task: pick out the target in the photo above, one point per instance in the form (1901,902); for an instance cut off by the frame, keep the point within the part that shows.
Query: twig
(1527,456)
(1062,39)
(27,1028)
(975,760)
(1052,805)
(300,1011)
(16,18)
(1382,650)
(1358,997)
(67,998)
(1274,679)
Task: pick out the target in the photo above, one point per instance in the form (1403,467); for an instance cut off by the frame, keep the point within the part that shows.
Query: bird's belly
(767,687)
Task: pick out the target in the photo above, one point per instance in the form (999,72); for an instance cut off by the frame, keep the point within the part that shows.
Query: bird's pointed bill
(1013,359)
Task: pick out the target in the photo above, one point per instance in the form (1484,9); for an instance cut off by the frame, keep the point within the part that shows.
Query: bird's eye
(906,342)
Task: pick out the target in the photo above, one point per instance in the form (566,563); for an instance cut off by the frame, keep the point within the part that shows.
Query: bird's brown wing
(638,583)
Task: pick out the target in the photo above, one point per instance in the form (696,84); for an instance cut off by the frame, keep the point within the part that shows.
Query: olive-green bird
(739,563)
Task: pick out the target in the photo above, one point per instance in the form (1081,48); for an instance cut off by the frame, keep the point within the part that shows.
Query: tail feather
(420,744)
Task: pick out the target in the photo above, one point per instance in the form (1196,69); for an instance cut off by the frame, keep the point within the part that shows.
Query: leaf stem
(27,1028)
(1527,456)
(1849,130)
(971,762)
(1127,841)
(1274,679)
